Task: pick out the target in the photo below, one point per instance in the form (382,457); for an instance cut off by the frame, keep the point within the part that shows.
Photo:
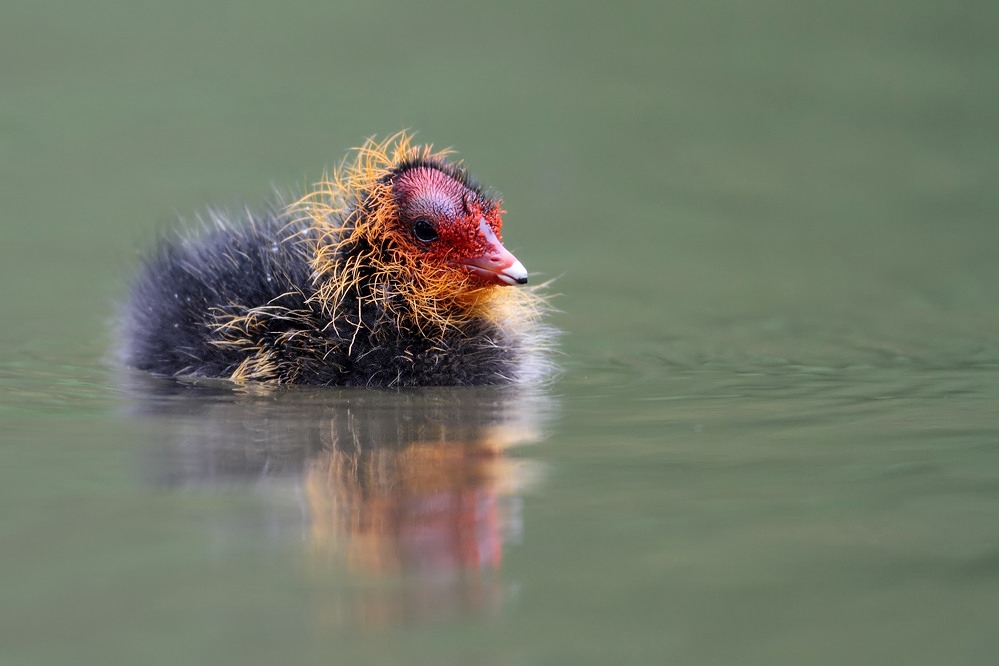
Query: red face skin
(452,225)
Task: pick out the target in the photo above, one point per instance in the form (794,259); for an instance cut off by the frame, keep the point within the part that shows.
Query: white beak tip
(514,274)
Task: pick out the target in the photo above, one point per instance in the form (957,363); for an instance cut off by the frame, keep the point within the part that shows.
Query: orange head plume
(415,230)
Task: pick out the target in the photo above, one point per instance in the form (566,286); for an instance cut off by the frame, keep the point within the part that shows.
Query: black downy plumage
(390,273)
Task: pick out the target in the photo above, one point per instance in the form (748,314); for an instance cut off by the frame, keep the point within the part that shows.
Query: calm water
(774,229)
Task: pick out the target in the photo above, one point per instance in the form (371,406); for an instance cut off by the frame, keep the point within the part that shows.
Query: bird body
(390,272)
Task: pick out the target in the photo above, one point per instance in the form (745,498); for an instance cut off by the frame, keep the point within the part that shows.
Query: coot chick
(390,272)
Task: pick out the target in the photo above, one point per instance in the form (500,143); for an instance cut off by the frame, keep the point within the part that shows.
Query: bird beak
(496,265)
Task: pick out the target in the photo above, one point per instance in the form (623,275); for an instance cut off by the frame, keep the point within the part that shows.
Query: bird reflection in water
(411,488)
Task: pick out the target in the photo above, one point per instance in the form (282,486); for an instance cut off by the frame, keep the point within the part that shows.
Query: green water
(774,229)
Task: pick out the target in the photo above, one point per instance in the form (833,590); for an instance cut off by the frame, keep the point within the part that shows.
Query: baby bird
(390,272)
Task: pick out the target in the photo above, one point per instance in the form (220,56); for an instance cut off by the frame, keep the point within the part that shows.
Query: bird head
(448,222)
(405,224)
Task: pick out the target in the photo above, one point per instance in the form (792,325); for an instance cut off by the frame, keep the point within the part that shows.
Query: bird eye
(423,230)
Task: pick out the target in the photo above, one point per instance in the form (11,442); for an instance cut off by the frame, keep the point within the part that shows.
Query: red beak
(496,265)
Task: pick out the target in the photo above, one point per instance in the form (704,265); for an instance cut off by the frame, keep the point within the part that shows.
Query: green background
(773,228)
